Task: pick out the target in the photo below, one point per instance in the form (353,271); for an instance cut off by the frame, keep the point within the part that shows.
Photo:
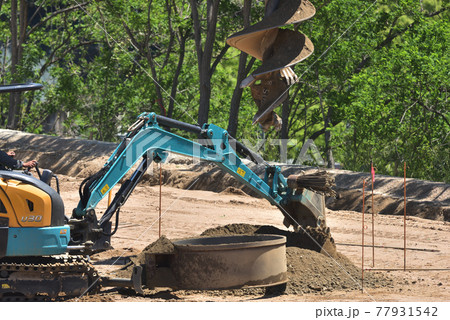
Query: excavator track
(46,278)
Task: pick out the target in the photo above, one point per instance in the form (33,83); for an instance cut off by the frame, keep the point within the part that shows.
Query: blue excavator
(43,252)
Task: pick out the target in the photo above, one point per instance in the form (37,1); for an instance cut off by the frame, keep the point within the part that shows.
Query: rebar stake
(404,218)
(160,196)
(362,240)
(373,218)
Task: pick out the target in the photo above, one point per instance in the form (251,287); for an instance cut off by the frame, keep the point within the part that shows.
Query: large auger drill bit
(278,49)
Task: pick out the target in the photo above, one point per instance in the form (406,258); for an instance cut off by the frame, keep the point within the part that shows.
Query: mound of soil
(233,190)
(313,264)
(162,245)
(92,298)
(314,239)
(388,204)
(74,157)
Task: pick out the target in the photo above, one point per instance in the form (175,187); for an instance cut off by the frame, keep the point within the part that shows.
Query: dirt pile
(314,239)
(233,190)
(162,245)
(388,204)
(73,157)
(313,264)
(92,298)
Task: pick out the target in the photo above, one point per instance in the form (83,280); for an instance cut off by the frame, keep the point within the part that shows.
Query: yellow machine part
(6,210)
(26,205)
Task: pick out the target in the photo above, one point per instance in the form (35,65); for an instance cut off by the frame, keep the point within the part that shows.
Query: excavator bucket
(274,89)
(278,49)
(289,48)
(306,208)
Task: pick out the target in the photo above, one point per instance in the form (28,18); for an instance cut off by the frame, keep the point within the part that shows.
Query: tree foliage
(376,88)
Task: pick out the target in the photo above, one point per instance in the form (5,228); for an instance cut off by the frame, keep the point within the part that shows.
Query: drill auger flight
(278,49)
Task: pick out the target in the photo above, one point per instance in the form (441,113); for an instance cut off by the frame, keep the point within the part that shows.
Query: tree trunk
(329,150)
(284,131)
(12,114)
(158,88)
(326,121)
(204,54)
(18,34)
(182,42)
(205,97)
(235,104)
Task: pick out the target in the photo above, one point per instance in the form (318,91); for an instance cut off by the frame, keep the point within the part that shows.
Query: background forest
(375,89)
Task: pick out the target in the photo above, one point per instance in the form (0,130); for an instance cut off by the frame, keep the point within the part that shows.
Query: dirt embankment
(82,158)
(72,157)
(424,199)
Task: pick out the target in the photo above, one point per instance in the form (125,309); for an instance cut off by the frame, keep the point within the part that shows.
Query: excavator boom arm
(147,140)
(153,142)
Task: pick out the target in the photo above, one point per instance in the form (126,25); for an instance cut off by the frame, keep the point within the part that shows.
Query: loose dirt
(313,264)
(162,245)
(310,238)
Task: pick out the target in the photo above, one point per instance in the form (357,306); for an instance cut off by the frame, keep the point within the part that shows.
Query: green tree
(28,21)
(399,108)
(354,39)
(375,89)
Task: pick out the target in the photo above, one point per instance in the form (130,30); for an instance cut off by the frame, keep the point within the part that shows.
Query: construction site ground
(197,197)
(187,213)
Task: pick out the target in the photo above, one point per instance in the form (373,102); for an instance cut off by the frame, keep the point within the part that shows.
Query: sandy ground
(187,213)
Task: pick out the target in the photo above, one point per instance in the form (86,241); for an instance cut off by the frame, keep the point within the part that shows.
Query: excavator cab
(32,221)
